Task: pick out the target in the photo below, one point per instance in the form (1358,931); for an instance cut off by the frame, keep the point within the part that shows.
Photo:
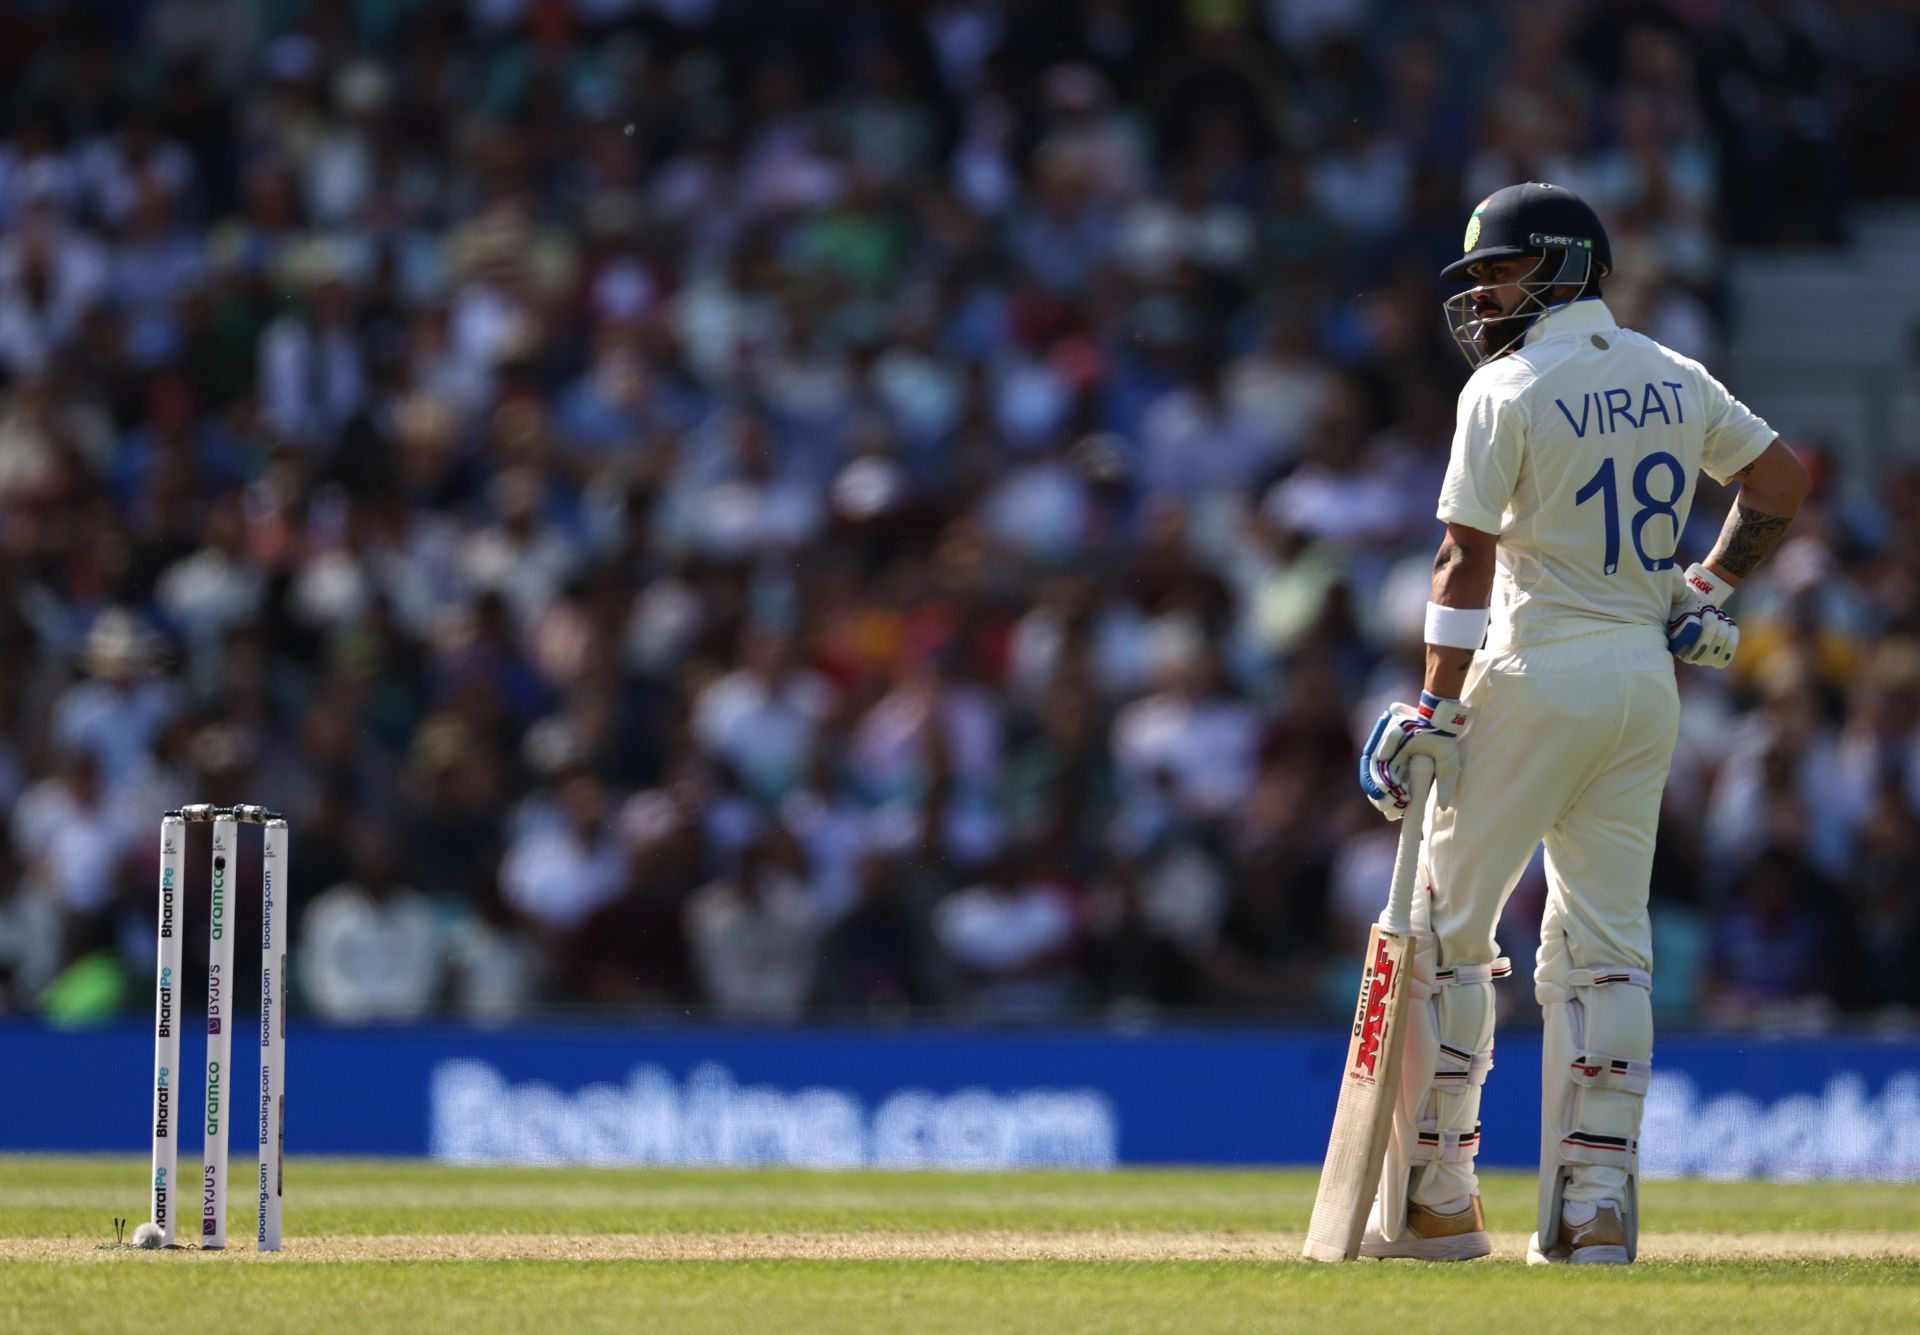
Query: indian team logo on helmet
(1473,225)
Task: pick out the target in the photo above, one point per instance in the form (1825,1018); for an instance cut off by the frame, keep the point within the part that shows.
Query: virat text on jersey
(1606,407)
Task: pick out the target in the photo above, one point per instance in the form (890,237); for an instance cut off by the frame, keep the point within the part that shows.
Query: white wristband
(1456,627)
(1707,584)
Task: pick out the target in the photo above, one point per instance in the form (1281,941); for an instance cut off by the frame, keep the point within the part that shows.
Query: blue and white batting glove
(1431,729)
(1698,631)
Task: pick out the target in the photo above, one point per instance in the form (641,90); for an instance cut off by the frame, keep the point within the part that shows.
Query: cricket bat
(1363,1118)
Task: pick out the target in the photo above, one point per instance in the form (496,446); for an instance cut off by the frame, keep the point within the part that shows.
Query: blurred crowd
(770,510)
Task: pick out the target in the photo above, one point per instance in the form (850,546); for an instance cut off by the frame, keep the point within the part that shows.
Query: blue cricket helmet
(1537,219)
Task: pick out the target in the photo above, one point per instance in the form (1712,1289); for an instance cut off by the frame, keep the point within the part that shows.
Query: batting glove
(1430,729)
(1697,630)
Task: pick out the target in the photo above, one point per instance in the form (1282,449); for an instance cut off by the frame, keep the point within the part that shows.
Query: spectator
(1276,390)
(874,960)
(564,860)
(492,967)
(218,587)
(51,277)
(1773,956)
(1011,939)
(634,952)
(68,839)
(1876,973)
(522,560)
(932,728)
(1158,917)
(312,377)
(45,437)
(371,949)
(762,718)
(118,713)
(1339,493)
(31,948)
(754,935)
(154,265)
(1189,736)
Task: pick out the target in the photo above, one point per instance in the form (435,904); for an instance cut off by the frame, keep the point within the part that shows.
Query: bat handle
(1406,858)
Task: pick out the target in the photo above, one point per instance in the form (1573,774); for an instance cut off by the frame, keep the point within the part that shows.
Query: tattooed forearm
(1746,540)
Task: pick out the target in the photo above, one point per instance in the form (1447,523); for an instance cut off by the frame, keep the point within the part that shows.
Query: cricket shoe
(1431,1235)
(1591,1233)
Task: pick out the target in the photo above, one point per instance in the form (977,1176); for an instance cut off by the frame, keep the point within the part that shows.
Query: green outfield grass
(378,1245)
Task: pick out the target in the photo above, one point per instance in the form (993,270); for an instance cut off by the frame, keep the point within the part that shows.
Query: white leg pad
(1596,1058)
(1436,1118)
(1421,1043)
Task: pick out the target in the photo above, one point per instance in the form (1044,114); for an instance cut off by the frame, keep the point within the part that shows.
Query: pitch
(407,1245)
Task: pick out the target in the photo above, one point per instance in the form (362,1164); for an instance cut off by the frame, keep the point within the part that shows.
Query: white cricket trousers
(1570,743)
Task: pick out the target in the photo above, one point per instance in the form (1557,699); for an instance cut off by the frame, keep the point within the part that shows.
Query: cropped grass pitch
(402,1245)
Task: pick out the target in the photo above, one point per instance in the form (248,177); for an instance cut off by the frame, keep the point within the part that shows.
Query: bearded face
(1492,316)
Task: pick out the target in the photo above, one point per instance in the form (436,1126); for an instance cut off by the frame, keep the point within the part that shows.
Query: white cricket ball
(148,1235)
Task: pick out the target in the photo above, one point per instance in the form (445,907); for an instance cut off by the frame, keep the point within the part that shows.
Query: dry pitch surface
(397,1245)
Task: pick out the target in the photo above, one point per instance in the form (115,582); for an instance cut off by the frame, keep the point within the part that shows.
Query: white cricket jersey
(1580,449)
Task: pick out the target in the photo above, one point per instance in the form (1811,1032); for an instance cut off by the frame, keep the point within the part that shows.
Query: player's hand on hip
(1698,630)
(1432,728)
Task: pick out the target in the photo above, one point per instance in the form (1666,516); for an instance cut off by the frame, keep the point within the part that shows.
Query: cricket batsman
(1550,711)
